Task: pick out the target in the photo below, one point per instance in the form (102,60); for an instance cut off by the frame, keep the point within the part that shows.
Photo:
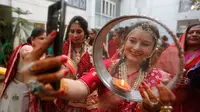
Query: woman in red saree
(15,95)
(139,45)
(187,96)
(78,50)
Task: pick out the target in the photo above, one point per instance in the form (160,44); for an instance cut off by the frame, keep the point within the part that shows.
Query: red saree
(108,101)
(85,64)
(112,48)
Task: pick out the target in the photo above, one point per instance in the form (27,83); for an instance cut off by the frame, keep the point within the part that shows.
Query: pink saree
(187,98)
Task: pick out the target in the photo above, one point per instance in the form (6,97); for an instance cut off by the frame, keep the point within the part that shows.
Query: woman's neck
(77,45)
(132,67)
(192,49)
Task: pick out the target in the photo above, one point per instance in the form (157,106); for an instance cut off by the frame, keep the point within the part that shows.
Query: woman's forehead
(197,27)
(75,26)
(139,34)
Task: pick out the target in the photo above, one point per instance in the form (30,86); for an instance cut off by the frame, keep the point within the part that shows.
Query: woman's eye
(41,38)
(133,41)
(145,44)
(71,31)
(79,31)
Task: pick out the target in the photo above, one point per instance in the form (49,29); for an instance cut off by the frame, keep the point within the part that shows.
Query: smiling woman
(130,68)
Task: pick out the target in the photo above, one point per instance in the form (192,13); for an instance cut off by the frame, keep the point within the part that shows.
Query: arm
(80,89)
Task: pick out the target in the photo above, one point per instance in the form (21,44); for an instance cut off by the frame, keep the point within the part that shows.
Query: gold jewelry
(123,75)
(146,28)
(76,22)
(153,104)
(166,108)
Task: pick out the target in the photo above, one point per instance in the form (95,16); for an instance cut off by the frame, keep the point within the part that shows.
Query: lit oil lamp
(121,84)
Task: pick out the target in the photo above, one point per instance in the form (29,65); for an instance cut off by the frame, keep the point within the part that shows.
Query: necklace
(77,56)
(124,76)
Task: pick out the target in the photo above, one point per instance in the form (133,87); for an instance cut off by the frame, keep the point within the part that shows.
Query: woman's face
(193,36)
(38,40)
(116,38)
(139,46)
(91,35)
(76,33)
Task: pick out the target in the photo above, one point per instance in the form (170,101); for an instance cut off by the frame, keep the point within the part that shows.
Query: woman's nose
(136,46)
(74,35)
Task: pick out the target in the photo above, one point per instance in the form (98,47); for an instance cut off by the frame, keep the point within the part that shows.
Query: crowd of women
(132,49)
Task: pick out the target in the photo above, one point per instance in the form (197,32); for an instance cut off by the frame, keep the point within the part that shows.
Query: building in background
(177,14)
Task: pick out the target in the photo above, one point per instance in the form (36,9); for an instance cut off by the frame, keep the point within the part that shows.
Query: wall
(5,2)
(39,9)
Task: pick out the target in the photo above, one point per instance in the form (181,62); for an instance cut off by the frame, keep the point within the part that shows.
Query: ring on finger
(35,86)
(155,103)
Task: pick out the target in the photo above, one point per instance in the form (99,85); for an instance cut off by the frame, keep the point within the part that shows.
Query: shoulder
(25,49)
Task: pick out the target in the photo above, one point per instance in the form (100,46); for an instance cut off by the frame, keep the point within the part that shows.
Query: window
(108,8)
(185,5)
(81,4)
(105,10)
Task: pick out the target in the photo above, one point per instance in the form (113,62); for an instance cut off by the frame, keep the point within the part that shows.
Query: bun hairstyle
(82,22)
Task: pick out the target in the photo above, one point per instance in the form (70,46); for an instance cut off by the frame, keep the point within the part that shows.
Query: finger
(50,92)
(151,96)
(58,93)
(144,96)
(51,77)
(42,66)
(39,50)
(165,95)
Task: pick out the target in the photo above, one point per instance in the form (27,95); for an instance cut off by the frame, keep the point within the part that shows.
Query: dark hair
(37,32)
(164,37)
(82,22)
(94,31)
(29,40)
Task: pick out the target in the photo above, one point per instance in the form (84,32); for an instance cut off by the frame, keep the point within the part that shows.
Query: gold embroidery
(94,73)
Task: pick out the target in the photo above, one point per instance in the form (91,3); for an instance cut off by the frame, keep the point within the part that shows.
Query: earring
(149,59)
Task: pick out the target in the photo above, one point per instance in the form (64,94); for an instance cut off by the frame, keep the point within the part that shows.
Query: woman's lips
(135,54)
(193,38)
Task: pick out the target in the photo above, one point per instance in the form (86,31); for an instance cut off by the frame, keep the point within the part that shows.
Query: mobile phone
(56,21)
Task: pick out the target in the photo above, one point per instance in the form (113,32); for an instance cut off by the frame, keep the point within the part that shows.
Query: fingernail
(60,93)
(53,33)
(143,83)
(64,58)
(66,72)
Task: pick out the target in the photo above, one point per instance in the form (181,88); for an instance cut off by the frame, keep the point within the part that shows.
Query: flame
(122,82)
